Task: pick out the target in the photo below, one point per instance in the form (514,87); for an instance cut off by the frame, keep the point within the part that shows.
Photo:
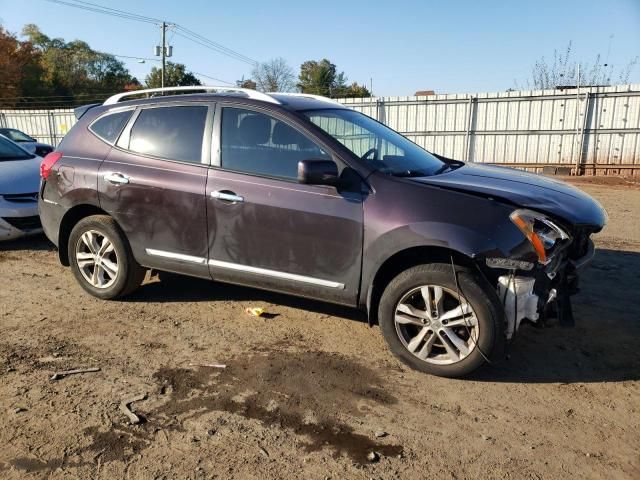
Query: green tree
(175,75)
(320,78)
(323,78)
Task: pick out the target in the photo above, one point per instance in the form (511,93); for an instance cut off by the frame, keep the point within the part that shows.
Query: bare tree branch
(274,76)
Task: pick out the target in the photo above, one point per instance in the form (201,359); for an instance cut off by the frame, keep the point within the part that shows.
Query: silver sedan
(19,185)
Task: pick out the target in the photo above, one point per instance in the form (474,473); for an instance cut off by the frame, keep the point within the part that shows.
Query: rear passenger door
(153,184)
(268,230)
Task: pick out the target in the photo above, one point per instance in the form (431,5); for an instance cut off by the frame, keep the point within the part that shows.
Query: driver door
(266,229)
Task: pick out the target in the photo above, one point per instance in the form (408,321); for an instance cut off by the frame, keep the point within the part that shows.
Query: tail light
(48,162)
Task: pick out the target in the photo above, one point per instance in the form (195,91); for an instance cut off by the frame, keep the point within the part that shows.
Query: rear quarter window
(174,133)
(108,128)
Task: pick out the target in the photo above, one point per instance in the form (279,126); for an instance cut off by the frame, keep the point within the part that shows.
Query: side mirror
(318,172)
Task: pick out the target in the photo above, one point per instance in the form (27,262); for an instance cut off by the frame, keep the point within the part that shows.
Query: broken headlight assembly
(542,232)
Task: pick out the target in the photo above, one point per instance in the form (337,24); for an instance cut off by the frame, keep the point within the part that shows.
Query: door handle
(116,178)
(227,196)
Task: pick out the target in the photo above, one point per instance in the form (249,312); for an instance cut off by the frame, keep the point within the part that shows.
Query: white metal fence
(47,126)
(595,129)
(590,129)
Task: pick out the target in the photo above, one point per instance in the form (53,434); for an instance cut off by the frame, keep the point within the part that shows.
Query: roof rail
(308,95)
(248,92)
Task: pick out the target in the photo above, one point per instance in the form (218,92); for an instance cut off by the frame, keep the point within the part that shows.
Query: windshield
(10,151)
(380,147)
(16,135)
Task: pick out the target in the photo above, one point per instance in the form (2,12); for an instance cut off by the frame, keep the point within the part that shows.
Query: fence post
(380,115)
(583,134)
(471,126)
(52,128)
(3,120)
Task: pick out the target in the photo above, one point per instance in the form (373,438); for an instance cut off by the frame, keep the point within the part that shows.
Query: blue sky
(447,46)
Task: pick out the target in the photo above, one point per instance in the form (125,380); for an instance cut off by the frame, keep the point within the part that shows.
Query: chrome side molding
(277,274)
(176,256)
(245,268)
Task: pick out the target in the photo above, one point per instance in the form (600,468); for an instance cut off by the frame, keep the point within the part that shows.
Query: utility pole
(164,50)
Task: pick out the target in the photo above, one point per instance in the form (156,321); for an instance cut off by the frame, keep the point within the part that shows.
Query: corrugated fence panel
(593,127)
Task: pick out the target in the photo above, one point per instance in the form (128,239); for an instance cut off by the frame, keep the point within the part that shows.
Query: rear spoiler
(80,111)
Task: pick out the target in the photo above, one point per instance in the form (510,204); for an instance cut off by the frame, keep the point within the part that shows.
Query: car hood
(523,189)
(20,176)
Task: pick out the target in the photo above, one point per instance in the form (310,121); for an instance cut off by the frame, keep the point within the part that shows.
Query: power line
(93,7)
(186,33)
(212,78)
(158,60)
(191,35)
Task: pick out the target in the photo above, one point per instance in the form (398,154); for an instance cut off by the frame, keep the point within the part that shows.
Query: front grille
(21,197)
(24,223)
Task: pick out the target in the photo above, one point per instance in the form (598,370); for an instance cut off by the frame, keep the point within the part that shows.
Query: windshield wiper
(409,173)
(443,169)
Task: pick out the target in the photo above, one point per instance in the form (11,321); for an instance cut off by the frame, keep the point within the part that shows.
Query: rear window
(108,128)
(175,133)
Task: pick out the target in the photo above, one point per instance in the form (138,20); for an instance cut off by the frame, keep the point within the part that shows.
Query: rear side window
(175,133)
(108,128)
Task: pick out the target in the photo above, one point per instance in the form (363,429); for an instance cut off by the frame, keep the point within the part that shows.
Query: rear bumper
(51,215)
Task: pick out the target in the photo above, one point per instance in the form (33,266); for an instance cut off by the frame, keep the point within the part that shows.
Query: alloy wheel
(97,259)
(436,325)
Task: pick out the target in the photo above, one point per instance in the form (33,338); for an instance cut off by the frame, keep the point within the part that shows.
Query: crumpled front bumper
(544,292)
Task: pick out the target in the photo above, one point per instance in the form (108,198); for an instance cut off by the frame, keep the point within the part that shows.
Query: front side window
(256,143)
(174,133)
(108,128)
(382,148)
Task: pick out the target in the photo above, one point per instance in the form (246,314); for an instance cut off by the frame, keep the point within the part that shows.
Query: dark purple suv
(298,194)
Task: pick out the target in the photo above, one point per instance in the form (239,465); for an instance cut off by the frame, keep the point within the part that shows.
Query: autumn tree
(247,83)
(20,71)
(73,70)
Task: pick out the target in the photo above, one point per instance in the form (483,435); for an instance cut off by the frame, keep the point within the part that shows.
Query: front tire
(439,327)
(101,259)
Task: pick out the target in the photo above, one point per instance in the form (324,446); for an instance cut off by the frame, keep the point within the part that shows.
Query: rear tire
(432,329)
(101,258)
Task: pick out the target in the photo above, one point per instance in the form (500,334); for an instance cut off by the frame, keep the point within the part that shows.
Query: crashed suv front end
(536,282)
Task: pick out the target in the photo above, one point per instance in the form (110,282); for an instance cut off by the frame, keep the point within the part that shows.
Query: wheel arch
(403,260)
(69,220)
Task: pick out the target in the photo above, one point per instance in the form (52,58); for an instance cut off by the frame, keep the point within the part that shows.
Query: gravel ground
(310,391)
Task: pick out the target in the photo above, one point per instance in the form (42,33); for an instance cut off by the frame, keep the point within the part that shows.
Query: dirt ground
(312,390)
